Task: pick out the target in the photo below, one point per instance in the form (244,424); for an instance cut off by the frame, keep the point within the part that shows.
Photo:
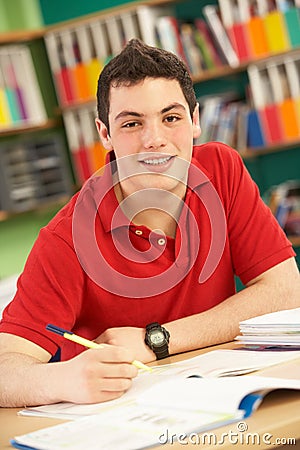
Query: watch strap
(161,351)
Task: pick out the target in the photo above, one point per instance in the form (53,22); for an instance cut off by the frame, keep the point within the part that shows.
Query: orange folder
(297,107)
(97,153)
(258,37)
(289,119)
(81,81)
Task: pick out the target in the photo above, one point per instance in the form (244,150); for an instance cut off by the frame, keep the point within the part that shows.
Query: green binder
(292,20)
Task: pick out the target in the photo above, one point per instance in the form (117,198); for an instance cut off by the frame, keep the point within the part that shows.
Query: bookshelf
(47,125)
(31,132)
(82,36)
(269,164)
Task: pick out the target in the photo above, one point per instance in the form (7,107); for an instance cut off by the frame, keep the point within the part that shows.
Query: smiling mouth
(157,161)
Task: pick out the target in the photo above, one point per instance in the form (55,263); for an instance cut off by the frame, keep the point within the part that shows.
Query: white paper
(284,318)
(211,364)
(129,428)
(177,405)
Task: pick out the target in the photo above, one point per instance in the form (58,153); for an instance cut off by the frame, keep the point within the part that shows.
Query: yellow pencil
(86,343)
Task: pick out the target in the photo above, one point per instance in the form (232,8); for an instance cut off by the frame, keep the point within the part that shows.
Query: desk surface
(275,422)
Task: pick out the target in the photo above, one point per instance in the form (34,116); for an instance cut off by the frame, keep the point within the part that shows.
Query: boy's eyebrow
(174,105)
(168,108)
(126,113)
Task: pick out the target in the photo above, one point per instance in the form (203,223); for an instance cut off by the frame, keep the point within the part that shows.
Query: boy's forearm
(275,290)
(25,381)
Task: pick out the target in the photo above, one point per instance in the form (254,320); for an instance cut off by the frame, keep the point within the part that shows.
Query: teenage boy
(143,259)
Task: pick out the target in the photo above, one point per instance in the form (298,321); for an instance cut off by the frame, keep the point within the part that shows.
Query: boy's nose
(154,137)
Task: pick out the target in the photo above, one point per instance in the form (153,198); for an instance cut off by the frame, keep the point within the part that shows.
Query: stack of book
(21,102)
(259,28)
(284,202)
(88,154)
(224,118)
(275,92)
(280,329)
(77,53)
(229,33)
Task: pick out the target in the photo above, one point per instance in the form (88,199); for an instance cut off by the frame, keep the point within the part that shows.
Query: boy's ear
(196,122)
(103,134)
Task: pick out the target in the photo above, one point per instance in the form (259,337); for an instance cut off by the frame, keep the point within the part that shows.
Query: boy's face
(151,133)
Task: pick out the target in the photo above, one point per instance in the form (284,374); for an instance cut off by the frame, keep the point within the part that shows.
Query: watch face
(157,338)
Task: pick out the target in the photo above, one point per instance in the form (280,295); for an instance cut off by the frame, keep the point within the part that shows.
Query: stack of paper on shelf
(278,329)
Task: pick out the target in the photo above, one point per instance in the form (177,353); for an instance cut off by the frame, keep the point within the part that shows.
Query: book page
(130,427)
(173,406)
(211,364)
(222,395)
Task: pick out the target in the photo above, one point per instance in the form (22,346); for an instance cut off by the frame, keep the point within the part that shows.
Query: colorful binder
(292,22)
(67,63)
(272,124)
(251,13)
(277,35)
(282,98)
(5,118)
(234,17)
(255,134)
(12,101)
(288,114)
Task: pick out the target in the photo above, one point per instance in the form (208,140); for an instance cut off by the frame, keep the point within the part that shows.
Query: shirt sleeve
(48,291)
(257,241)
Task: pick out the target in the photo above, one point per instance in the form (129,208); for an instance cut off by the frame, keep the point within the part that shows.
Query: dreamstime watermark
(100,269)
(240,436)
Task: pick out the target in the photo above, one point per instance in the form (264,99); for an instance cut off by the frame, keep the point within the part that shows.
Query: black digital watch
(157,338)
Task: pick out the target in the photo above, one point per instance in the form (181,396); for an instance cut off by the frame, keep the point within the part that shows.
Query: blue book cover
(20,446)
(255,135)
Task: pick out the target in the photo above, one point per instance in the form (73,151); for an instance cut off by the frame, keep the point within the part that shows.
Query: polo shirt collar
(107,203)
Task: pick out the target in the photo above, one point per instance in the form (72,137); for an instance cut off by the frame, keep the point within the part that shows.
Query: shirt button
(138,232)
(161,241)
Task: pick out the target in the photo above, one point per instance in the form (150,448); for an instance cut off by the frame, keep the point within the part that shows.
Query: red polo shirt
(91,268)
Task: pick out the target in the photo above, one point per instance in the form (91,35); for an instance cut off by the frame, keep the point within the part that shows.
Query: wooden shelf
(51,123)
(253,153)
(226,70)
(295,240)
(77,104)
(59,202)
(21,36)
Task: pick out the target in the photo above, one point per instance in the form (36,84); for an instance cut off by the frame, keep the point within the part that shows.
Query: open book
(216,363)
(160,413)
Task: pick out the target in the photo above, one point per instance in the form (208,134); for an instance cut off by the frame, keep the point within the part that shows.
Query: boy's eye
(171,119)
(130,125)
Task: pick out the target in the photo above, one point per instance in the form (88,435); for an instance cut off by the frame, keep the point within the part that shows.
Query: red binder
(272,124)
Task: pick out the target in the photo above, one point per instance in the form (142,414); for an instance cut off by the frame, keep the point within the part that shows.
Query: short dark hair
(136,62)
